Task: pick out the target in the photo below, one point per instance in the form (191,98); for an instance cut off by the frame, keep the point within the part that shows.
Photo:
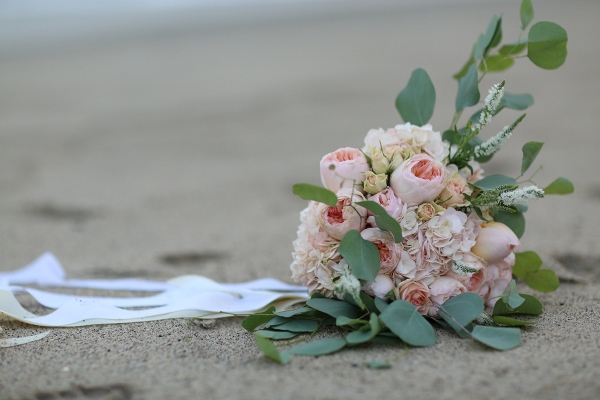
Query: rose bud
(374,183)
(495,242)
(379,163)
(343,168)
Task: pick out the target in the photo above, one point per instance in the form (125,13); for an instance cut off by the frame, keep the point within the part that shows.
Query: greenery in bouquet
(408,232)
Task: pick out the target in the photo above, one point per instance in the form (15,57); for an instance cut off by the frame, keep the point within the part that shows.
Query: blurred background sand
(153,140)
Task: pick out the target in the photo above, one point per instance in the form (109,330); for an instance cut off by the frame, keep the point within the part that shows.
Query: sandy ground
(160,153)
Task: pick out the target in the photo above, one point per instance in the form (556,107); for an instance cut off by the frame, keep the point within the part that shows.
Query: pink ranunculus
(495,242)
(389,251)
(380,287)
(343,168)
(442,289)
(415,292)
(343,217)
(418,180)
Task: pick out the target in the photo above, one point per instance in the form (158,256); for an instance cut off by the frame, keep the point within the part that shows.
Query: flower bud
(426,211)
(379,163)
(374,183)
(495,242)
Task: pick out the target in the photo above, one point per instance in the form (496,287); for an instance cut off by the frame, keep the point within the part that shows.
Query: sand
(171,147)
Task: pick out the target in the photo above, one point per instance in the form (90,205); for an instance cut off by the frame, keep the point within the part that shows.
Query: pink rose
(498,276)
(386,199)
(452,195)
(415,292)
(380,287)
(343,168)
(419,179)
(495,242)
(344,217)
(389,251)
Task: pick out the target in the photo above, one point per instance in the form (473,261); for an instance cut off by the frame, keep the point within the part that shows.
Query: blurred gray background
(161,138)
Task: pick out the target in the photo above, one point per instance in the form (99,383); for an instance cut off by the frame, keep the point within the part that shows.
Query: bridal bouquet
(410,231)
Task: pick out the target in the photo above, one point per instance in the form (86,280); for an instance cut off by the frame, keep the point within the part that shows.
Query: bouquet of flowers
(409,229)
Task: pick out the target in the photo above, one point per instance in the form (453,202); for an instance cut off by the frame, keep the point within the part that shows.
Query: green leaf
(489,39)
(497,338)
(368,302)
(493,181)
(463,309)
(512,49)
(468,90)
(531,306)
(378,365)
(515,101)
(307,191)
(416,101)
(544,280)
(298,325)
(547,46)
(463,71)
(515,221)
(527,261)
(511,295)
(276,321)
(496,63)
(560,186)
(318,347)
(269,350)
(386,340)
(335,308)
(362,256)
(526,13)
(381,304)
(383,220)
(275,335)
(251,322)
(404,320)
(291,313)
(363,334)
(345,321)
(508,321)
(530,152)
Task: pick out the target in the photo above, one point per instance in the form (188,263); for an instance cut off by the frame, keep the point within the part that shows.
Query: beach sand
(172,149)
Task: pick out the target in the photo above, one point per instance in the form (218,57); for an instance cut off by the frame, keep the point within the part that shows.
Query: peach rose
(418,180)
(343,168)
(442,289)
(452,195)
(495,242)
(338,220)
(415,292)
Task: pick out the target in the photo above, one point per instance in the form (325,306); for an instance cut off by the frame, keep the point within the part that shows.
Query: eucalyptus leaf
(269,350)
(251,322)
(380,304)
(276,321)
(291,313)
(526,13)
(515,101)
(364,335)
(383,220)
(463,71)
(531,306)
(560,186)
(530,152)
(318,347)
(378,365)
(508,321)
(386,340)
(298,325)
(493,181)
(488,39)
(307,191)
(515,221)
(497,338)
(461,310)
(362,255)
(468,90)
(547,45)
(335,308)
(368,302)
(511,295)
(496,63)
(404,320)
(345,321)
(512,49)
(275,335)
(527,261)
(416,101)
(544,280)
